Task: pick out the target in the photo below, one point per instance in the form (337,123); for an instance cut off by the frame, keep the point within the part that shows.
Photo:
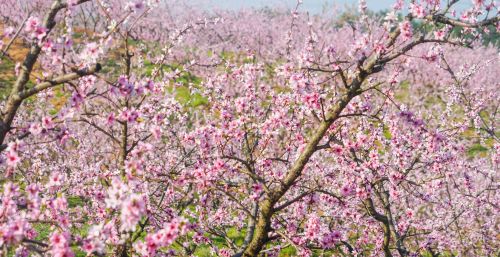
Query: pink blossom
(59,245)
(406,30)
(9,32)
(47,122)
(12,159)
(111,119)
(132,211)
(91,52)
(56,180)
(313,227)
(32,24)
(417,10)
(136,5)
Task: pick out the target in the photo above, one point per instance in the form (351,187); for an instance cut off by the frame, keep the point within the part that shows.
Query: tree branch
(60,80)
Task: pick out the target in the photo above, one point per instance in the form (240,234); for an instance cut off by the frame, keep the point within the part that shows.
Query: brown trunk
(262,229)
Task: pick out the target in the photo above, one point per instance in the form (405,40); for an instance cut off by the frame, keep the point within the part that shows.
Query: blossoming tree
(130,132)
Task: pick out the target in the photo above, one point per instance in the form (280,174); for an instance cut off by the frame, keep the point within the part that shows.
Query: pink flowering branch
(366,67)
(18,93)
(441,18)
(60,80)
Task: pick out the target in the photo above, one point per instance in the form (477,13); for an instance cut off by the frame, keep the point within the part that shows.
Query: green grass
(7,77)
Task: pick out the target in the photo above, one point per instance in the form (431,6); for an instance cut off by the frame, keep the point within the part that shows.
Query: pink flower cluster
(36,29)
(162,238)
(60,245)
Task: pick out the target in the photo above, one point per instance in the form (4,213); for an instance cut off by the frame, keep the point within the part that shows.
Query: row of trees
(134,129)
